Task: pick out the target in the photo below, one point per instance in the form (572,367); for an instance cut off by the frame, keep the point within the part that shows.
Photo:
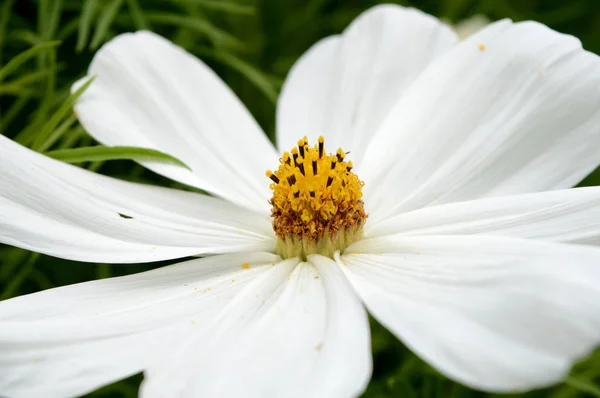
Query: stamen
(286,158)
(301,147)
(321,146)
(329,180)
(319,211)
(272,176)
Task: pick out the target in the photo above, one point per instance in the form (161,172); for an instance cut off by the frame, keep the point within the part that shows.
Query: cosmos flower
(445,214)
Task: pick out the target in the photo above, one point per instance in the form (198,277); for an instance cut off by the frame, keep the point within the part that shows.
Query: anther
(340,155)
(314,163)
(301,147)
(272,176)
(297,193)
(321,146)
(349,166)
(291,180)
(333,165)
(329,181)
(286,158)
(312,194)
(301,167)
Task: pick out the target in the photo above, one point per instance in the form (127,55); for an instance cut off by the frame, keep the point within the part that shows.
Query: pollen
(317,202)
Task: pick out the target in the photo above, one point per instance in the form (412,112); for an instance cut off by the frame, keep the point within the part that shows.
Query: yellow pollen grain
(245,266)
(482,47)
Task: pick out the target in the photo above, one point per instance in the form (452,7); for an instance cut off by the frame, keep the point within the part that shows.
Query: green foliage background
(251,44)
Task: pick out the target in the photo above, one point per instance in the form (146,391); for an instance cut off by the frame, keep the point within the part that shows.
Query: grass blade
(85,24)
(104,22)
(225,6)
(137,15)
(25,56)
(12,112)
(58,133)
(59,115)
(255,76)
(102,153)
(583,385)
(54,14)
(5,14)
(13,284)
(216,35)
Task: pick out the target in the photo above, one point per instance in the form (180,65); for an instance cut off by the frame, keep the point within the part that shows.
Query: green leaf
(221,5)
(13,111)
(104,22)
(59,115)
(5,14)
(85,24)
(216,35)
(137,15)
(16,281)
(583,385)
(21,83)
(101,153)
(255,76)
(25,56)
(58,133)
(53,19)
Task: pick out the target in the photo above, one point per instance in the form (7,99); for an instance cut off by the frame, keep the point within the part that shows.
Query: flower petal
(570,215)
(65,211)
(71,340)
(150,93)
(299,332)
(345,85)
(513,109)
(494,313)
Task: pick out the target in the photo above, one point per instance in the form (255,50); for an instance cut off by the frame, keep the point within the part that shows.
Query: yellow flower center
(317,206)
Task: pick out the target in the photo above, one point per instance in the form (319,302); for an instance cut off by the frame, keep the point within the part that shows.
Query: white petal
(71,340)
(344,86)
(150,93)
(298,332)
(494,313)
(61,210)
(570,215)
(513,109)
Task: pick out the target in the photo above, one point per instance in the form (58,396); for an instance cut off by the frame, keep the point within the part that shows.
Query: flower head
(317,206)
(474,253)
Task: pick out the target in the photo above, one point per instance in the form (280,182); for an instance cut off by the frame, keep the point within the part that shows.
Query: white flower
(467,255)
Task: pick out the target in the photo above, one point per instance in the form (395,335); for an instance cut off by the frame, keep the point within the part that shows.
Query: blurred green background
(251,44)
